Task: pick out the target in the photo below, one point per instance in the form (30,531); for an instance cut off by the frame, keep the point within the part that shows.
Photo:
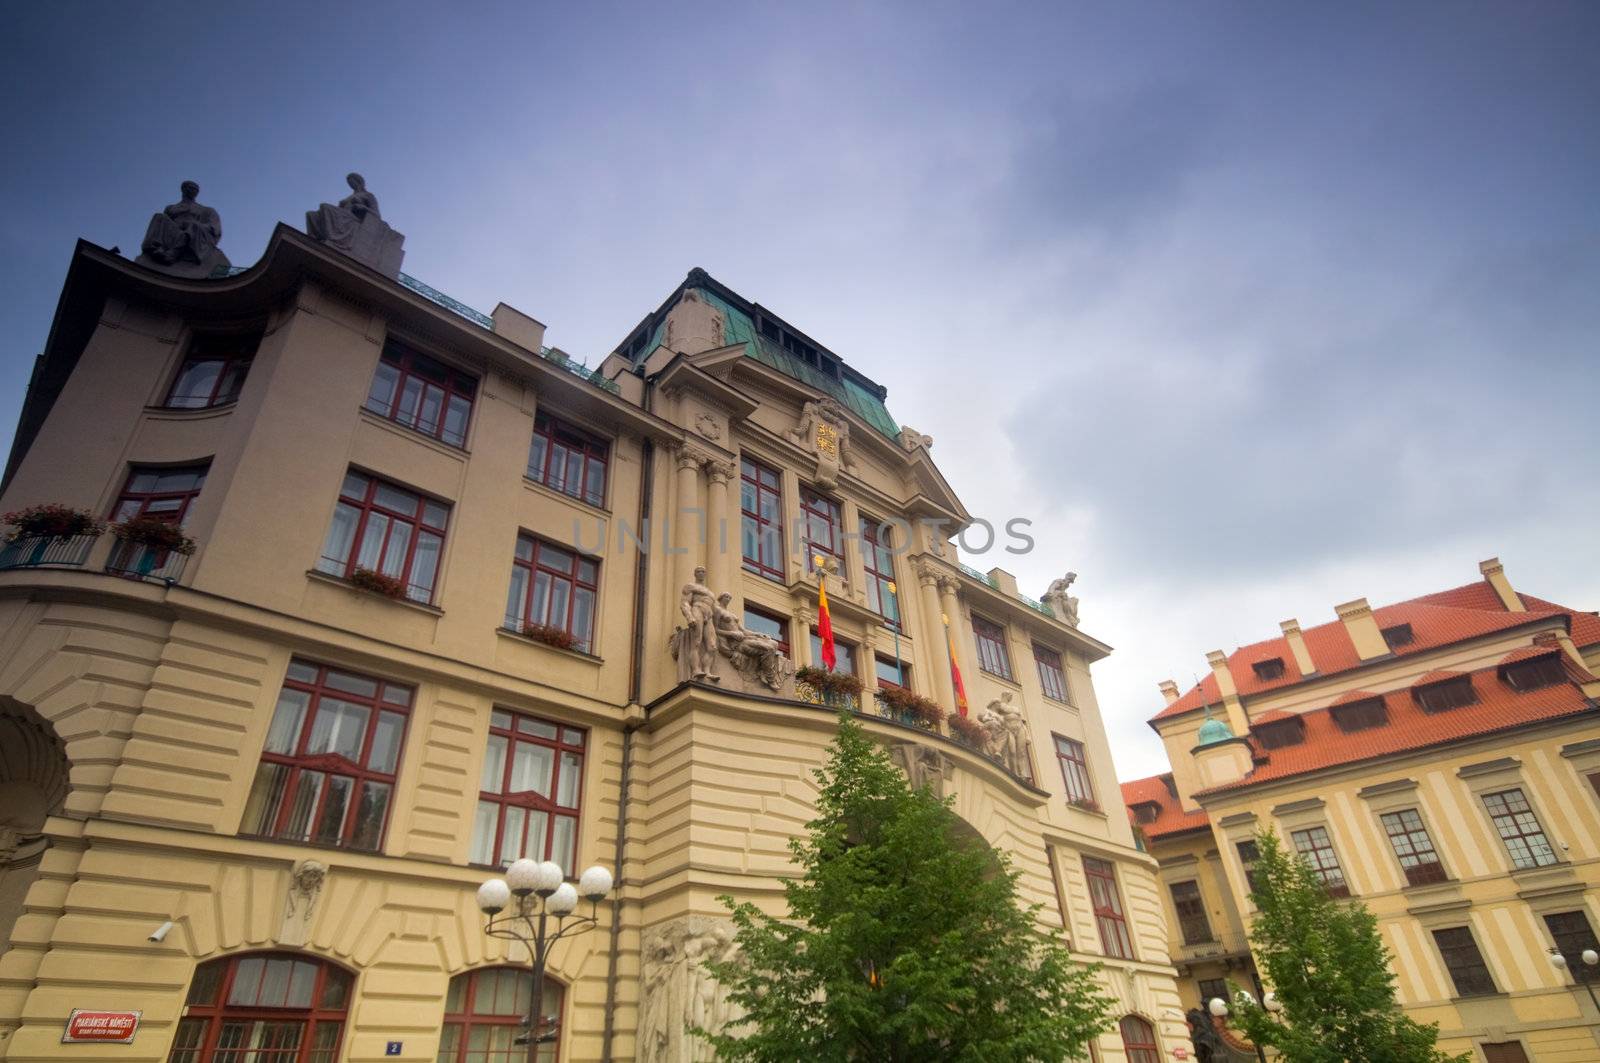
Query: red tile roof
(1436,620)
(1528,653)
(1499,708)
(1172,818)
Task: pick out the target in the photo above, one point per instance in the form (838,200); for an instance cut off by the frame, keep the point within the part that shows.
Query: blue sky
(1251,308)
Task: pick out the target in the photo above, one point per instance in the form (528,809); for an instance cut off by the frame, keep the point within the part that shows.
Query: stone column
(935,645)
(686,526)
(855,573)
(951,607)
(722,530)
(800,644)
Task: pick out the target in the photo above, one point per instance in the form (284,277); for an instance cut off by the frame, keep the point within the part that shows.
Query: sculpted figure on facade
(1008,740)
(305,886)
(911,439)
(924,766)
(713,635)
(695,644)
(679,993)
(182,240)
(354,226)
(1063,605)
(753,656)
(825,429)
(693,326)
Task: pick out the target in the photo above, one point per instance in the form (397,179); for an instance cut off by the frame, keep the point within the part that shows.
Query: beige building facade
(443,609)
(1439,759)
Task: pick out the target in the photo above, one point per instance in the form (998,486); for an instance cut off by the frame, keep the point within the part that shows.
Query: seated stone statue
(182,239)
(354,226)
(748,652)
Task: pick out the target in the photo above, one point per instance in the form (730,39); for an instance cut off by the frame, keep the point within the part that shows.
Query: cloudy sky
(1250,308)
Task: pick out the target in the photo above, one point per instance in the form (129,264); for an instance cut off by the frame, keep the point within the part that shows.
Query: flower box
(968,732)
(51,521)
(909,708)
(560,638)
(158,535)
(378,583)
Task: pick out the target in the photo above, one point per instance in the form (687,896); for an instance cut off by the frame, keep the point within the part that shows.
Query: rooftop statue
(1063,605)
(355,226)
(182,239)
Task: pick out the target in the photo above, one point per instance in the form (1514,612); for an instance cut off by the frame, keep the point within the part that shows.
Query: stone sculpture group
(678,994)
(1007,739)
(712,635)
(1063,605)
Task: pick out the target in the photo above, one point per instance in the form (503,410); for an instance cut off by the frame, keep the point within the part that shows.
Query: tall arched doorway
(484,1013)
(1139,1040)
(274,1007)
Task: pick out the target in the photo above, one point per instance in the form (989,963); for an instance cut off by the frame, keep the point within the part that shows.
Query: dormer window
(1360,715)
(1397,636)
(1268,670)
(1449,694)
(1146,812)
(1281,733)
(1534,674)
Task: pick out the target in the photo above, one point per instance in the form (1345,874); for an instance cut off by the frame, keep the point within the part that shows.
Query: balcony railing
(1032,603)
(138,561)
(833,699)
(47,551)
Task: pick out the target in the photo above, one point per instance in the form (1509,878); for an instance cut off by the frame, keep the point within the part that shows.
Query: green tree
(1329,969)
(904,941)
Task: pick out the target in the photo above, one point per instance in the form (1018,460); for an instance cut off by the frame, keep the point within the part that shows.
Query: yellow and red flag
(825,623)
(955,670)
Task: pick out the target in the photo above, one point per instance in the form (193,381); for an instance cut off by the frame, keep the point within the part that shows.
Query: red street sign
(102,1027)
(1180,1053)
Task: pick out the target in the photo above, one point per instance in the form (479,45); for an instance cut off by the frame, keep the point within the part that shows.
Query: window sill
(517,636)
(1092,810)
(333,847)
(336,581)
(545,489)
(191,413)
(1003,678)
(449,450)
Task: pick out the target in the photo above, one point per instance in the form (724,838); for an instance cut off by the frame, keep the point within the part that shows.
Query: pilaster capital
(926,574)
(690,457)
(948,585)
(721,472)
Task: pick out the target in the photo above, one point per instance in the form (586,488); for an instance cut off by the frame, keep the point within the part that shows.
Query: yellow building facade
(443,609)
(1439,759)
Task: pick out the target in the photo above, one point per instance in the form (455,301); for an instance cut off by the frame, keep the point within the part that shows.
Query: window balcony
(47,551)
(142,561)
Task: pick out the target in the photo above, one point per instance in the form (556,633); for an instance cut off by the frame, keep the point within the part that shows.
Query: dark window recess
(1535,674)
(1146,812)
(1504,1052)
(1446,695)
(1518,826)
(1414,848)
(1107,903)
(1398,635)
(1051,676)
(1465,963)
(1249,853)
(770,625)
(1281,733)
(761,519)
(1360,715)
(1212,989)
(423,394)
(991,640)
(1191,911)
(213,371)
(1572,934)
(568,460)
(1268,670)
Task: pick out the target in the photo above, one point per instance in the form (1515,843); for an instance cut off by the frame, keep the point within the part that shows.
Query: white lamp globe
(595,883)
(1244,997)
(523,876)
(1269,1000)
(563,900)
(1591,958)
(494,895)
(1218,1007)
(549,876)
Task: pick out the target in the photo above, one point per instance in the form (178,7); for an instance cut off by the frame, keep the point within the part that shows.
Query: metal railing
(139,561)
(577,369)
(832,699)
(47,551)
(993,584)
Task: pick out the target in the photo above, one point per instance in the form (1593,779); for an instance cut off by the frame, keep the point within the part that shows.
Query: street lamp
(1219,1009)
(519,907)
(1591,960)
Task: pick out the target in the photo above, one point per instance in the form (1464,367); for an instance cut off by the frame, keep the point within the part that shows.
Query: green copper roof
(1214,730)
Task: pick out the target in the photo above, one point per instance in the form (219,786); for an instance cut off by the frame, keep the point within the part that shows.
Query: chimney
(518,327)
(1004,582)
(1362,629)
(1229,692)
(1169,690)
(1297,646)
(1495,573)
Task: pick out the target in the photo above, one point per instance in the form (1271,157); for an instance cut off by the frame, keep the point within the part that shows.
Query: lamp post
(1591,960)
(1219,1008)
(519,908)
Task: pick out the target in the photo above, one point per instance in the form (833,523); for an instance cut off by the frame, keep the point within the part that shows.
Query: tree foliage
(905,941)
(1330,971)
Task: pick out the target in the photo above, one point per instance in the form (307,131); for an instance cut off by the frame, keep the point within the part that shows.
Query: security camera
(160,932)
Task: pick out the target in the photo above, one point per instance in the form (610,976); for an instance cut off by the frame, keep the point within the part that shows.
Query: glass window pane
(594,486)
(381,395)
(266,797)
(430,416)
(536,458)
(559,589)
(424,567)
(386,742)
(275,983)
(301,672)
(539,608)
(306,791)
(358,685)
(394,554)
(561,848)
(538,825)
(516,597)
(410,400)
(335,990)
(571,737)
(370,815)
(400,501)
(484,821)
(372,541)
(571,775)
(395,694)
(340,727)
(287,719)
(583,617)
(330,824)
(301,982)
(494,764)
(511,835)
(529,726)
(455,422)
(531,768)
(355,486)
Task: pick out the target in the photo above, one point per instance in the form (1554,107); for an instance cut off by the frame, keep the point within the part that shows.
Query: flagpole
(899,665)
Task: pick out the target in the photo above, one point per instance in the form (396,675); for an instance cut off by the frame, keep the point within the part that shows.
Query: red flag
(825,624)
(955,672)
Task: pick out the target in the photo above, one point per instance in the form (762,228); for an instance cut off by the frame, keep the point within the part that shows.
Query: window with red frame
(1074,771)
(761,510)
(877,557)
(769,625)
(159,493)
(530,792)
(1535,674)
(1316,849)
(992,655)
(1107,903)
(892,673)
(484,1013)
(1051,675)
(844,654)
(823,529)
(552,587)
(1414,848)
(213,371)
(1519,829)
(422,394)
(1139,1040)
(268,1008)
(568,459)
(327,770)
(382,527)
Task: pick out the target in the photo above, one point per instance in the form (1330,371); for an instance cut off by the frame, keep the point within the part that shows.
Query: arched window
(483,1016)
(264,1007)
(1139,1040)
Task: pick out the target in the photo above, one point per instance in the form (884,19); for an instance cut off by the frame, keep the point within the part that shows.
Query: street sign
(391,1048)
(1180,1053)
(100,1027)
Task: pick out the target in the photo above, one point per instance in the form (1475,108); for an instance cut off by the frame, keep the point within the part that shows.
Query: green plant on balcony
(157,536)
(550,635)
(378,583)
(968,732)
(51,521)
(838,689)
(910,708)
